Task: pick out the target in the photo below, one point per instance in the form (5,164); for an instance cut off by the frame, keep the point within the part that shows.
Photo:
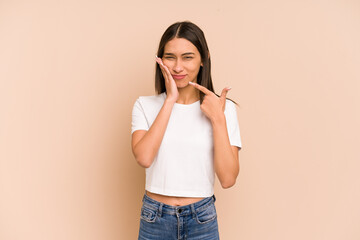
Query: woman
(183,136)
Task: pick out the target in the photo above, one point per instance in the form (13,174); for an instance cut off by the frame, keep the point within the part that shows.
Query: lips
(178,76)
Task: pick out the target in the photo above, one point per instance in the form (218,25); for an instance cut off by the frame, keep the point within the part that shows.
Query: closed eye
(188,58)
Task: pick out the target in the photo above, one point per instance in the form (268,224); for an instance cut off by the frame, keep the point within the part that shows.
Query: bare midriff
(173,201)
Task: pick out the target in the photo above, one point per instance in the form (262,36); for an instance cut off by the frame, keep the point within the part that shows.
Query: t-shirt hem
(177,193)
(140,128)
(237,145)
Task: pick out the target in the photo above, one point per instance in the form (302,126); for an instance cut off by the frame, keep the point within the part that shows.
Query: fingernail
(229,88)
(191,83)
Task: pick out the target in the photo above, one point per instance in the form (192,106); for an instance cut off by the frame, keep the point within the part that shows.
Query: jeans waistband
(178,210)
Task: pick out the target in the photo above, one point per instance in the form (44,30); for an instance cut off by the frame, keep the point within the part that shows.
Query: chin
(182,85)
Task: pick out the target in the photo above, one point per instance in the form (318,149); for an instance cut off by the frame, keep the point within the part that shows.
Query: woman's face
(183,60)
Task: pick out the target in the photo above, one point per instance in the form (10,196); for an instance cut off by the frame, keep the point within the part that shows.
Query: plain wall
(70,72)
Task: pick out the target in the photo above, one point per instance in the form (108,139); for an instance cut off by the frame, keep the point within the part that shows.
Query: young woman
(183,136)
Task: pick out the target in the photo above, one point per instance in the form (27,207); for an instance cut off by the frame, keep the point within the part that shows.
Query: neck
(188,95)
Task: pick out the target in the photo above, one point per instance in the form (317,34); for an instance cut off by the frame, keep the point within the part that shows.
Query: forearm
(226,164)
(146,149)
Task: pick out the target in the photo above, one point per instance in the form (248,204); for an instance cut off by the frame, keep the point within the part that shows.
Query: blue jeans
(166,222)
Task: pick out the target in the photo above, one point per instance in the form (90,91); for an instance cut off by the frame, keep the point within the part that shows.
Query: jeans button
(180,210)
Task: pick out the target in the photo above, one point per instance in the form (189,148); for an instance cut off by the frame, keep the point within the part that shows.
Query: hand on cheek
(171,88)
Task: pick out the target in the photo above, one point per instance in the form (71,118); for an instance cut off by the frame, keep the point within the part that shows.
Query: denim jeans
(166,222)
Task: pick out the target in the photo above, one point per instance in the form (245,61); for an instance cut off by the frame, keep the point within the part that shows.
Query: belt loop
(160,209)
(193,210)
(143,199)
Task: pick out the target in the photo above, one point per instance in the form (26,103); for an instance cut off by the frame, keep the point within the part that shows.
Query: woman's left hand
(212,106)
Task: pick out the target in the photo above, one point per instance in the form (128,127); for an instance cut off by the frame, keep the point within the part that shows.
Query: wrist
(170,101)
(218,119)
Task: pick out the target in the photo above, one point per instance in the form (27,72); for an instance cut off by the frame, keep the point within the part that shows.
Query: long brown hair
(195,35)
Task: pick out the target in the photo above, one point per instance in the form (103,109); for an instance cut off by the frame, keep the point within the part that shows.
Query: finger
(164,75)
(201,88)
(162,68)
(165,68)
(224,92)
(163,72)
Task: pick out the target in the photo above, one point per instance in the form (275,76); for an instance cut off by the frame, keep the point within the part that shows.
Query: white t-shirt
(183,165)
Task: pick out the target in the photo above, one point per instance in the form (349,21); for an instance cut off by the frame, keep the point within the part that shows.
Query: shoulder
(230,106)
(153,99)
(150,104)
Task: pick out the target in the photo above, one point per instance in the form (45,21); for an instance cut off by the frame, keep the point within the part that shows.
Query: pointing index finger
(201,88)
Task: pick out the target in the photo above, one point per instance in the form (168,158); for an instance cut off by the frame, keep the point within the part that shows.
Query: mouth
(178,76)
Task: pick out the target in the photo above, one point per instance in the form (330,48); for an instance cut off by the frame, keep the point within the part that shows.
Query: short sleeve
(232,124)
(138,121)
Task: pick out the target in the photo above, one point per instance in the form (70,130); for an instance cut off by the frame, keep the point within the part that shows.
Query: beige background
(70,72)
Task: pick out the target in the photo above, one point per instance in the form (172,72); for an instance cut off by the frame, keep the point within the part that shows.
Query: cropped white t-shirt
(183,165)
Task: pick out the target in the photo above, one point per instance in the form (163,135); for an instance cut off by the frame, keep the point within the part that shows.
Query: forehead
(180,45)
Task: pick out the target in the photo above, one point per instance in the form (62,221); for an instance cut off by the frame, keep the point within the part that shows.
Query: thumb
(223,94)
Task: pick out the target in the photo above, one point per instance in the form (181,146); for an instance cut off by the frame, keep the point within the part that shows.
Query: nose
(177,67)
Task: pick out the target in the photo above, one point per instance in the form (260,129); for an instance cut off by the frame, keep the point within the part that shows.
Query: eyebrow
(187,53)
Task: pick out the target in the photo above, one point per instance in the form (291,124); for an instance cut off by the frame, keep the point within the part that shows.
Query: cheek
(195,71)
(193,68)
(167,63)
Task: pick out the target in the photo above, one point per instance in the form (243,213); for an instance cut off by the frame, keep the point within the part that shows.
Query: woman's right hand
(172,92)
